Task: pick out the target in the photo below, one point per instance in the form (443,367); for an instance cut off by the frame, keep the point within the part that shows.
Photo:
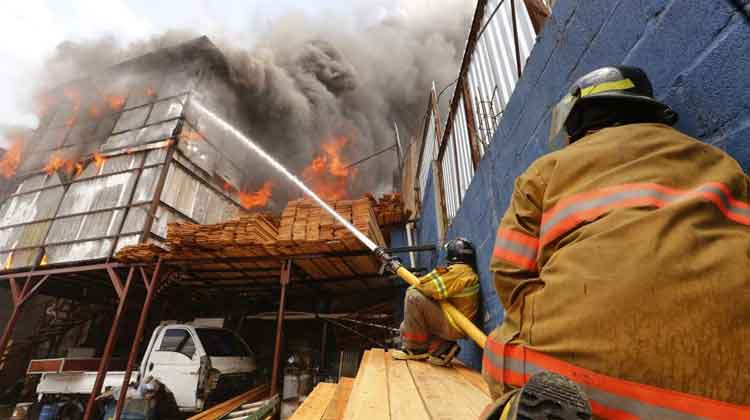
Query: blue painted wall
(697,54)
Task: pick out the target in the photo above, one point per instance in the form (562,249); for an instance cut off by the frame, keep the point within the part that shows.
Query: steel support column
(151,286)
(323,346)
(286,270)
(122,293)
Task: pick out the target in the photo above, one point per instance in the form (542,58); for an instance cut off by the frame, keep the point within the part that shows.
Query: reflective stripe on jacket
(627,253)
(456,283)
(610,398)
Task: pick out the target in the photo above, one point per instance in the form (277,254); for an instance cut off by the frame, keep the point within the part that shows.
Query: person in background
(429,333)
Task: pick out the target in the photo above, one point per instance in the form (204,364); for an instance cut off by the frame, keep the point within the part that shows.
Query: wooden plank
(337,407)
(472,376)
(316,403)
(403,396)
(370,398)
(445,392)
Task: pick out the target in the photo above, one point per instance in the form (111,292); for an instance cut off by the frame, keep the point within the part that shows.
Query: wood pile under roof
(303,229)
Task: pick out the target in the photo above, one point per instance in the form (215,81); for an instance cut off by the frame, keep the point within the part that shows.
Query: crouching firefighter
(622,264)
(429,333)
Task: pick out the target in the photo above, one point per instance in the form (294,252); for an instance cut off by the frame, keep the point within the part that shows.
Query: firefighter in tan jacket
(429,333)
(623,264)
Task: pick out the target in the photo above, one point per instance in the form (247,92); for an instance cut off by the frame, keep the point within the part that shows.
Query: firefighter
(622,264)
(427,332)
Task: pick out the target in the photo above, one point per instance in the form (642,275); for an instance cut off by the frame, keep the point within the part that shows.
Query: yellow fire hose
(458,318)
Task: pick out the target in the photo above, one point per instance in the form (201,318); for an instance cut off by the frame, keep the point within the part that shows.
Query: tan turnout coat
(626,253)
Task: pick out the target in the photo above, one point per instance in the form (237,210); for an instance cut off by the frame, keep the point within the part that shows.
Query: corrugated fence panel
(429,143)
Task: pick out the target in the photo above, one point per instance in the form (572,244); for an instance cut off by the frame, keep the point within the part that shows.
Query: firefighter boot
(546,396)
(410,354)
(444,354)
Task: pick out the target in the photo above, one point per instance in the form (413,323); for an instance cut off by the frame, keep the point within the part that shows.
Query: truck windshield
(222,343)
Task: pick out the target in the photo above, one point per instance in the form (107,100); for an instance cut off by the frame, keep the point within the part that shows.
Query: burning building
(119,155)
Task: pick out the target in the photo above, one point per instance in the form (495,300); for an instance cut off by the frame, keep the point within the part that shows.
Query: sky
(31,29)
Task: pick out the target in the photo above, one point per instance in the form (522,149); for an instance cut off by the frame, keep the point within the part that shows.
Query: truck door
(176,363)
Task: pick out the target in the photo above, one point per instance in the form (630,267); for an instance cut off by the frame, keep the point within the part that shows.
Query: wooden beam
(315,405)
(403,394)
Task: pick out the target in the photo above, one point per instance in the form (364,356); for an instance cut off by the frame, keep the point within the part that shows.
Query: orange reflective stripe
(516,248)
(416,337)
(579,208)
(611,398)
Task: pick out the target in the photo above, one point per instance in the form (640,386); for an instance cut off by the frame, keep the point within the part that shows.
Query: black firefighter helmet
(609,96)
(460,250)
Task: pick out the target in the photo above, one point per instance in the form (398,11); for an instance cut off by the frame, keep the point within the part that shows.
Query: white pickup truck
(199,365)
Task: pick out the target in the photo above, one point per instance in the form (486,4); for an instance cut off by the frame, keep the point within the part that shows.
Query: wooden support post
(286,269)
(122,293)
(323,346)
(151,286)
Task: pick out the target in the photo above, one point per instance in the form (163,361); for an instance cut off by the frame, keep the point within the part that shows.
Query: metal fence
(501,38)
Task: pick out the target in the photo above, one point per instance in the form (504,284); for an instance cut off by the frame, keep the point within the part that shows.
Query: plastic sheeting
(142,136)
(164,216)
(90,226)
(98,193)
(80,251)
(131,119)
(166,110)
(136,219)
(194,199)
(124,241)
(147,184)
(29,207)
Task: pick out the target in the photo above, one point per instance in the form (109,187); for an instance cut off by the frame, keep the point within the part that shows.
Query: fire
(116,102)
(12,158)
(99,160)
(258,198)
(44,260)
(327,174)
(56,163)
(8,261)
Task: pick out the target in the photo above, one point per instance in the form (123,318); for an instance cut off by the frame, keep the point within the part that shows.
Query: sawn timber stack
(223,249)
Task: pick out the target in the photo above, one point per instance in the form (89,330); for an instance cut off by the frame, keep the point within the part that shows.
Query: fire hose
(391,263)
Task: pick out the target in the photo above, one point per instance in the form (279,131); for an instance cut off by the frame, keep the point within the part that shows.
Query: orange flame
(258,198)
(12,158)
(8,261)
(99,160)
(327,174)
(116,102)
(56,163)
(44,260)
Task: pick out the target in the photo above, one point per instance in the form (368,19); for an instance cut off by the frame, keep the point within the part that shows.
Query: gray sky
(31,29)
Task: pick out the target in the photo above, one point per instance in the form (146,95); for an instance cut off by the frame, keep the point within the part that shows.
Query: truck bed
(73,375)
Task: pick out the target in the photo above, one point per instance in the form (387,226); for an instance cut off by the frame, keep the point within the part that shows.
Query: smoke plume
(308,80)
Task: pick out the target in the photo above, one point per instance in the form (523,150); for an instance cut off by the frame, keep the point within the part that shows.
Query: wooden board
(405,402)
(316,403)
(369,399)
(445,392)
(337,407)
(473,377)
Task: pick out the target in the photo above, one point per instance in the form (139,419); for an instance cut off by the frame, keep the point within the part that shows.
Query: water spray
(391,263)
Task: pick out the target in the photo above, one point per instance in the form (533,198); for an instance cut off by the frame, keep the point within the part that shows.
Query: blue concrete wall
(697,54)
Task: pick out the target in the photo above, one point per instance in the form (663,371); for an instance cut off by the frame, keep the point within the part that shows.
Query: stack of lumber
(390,210)
(140,253)
(305,221)
(219,411)
(254,228)
(389,389)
